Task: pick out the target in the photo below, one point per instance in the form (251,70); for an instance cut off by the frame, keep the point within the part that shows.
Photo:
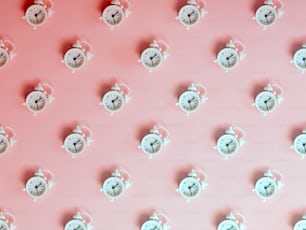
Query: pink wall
(154,96)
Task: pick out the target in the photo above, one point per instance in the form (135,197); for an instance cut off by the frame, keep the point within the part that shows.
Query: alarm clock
(7,221)
(190,13)
(76,57)
(39,184)
(191,186)
(190,100)
(153,143)
(301,224)
(229,143)
(268,99)
(233,221)
(114,14)
(114,100)
(7,52)
(299,59)
(299,144)
(267,14)
(114,186)
(153,56)
(267,186)
(7,138)
(80,221)
(157,221)
(77,141)
(229,57)
(38,13)
(38,100)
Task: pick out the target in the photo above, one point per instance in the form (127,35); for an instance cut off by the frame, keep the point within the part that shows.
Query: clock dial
(113,187)
(265,101)
(189,15)
(265,187)
(113,15)
(151,143)
(36,101)
(113,101)
(151,58)
(299,59)
(74,143)
(266,15)
(75,225)
(36,15)
(227,144)
(4,57)
(189,101)
(228,58)
(4,144)
(151,225)
(74,58)
(228,225)
(3,225)
(299,144)
(190,187)
(36,186)
(300,225)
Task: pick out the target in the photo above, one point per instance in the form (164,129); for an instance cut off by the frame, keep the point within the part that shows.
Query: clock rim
(155,135)
(294,143)
(41,8)
(119,94)
(295,58)
(7,142)
(298,222)
(148,221)
(180,12)
(65,143)
(104,186)
(196,181)
(5,224)
(81,52)
(36,92)
(187,92)
(236,54)
(265,6)
(257,183)
(42,180)
(257,98)
(159,53)
(7,57)
(104,15)
(228,154)
(227,220)
(74,220)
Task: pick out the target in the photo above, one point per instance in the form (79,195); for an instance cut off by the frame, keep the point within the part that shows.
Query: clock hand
(2,142)
(304,60)
(304,145)
(1,55)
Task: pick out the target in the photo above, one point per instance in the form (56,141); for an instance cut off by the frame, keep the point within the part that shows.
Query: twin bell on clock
(7,221)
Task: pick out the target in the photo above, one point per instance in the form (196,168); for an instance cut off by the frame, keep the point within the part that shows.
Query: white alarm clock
(190,13)
(80,221)
(190,100)
(301,224)
(267,14)
(38,13)
(233,221)
(229,57)
(39,184)
(268,99)
(77,141)
(267,186)
(38,100)
(299,59)
(299,144)
(76,57)
(114,186)
(153,56)
(153,143)
(7,221)
(191,186)
(114,100)
(157,221)
(7,138)
(229,143)
(114,14)
(7,52)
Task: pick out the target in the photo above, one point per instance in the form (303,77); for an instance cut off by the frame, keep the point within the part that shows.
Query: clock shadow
(27,174)
(296,45)
(105,87)
(181,88)
(102,5)
(105,173)
(178,5)
(66,130)
(145,130)
(25,4)
(220,44)
(144,43)
(65,46)
(254,5)
(220,215)
(182,173)
(28,88)
(219,131)
(144,216)
(257,88)
(257,174)
(296,216)
(295,131)
(67,215)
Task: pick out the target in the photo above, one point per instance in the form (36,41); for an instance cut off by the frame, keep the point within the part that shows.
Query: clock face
(36,15)
(189,101)
(74,58)
(266,15)
(189,15)
(265,187)
(75,225)
(36,101)
(151,225)
(299,144)
(189,187)
(299,59)
(4,144)
(300,225)
(151,58)
(4,57)
(113,15)
(74,143)
(36,186)
(228,225)
(113,187)
(265,102)
(227,144)
(227,58)
(113,101)
(151,144)
(3,225)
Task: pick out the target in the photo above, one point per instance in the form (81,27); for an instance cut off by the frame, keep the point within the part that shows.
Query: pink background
(230,182)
